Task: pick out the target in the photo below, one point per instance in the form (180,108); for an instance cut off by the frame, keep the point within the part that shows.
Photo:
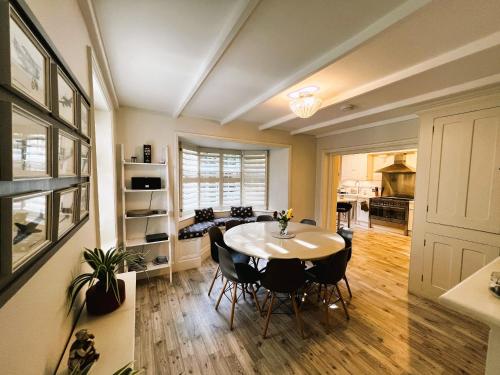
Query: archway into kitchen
(375,183)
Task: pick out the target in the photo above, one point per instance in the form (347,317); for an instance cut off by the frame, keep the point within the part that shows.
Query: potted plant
(283,218)
(105,292)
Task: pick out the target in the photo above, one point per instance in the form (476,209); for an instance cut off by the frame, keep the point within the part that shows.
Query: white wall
(104,144)
(278,178)
(34,323)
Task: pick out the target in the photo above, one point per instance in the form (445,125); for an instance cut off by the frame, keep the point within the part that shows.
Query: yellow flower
(289,213)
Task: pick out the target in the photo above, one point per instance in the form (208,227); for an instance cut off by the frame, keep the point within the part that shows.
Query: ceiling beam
(433,95)
(369,125)
(337,52)
(224,40)
(466,50)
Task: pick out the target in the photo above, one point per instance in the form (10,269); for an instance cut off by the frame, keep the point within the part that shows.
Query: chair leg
(255,299)
(319,292)
(297,316)
(338,220)
(221,293)
(235,289)
(348,287)
(343,303)
(269,312)
(265,300)
(213,281)
(326,305)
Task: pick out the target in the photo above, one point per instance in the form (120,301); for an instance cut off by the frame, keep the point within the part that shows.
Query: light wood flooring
(390,331)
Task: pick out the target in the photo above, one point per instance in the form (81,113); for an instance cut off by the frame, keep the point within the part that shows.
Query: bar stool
(343,208)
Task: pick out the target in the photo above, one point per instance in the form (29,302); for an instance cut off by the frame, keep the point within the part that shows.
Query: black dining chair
(284,276)
(233,223)
(329,272)
(347,235)
(238,275)
(264,218)
(344,208)
(215,235)
(308,222)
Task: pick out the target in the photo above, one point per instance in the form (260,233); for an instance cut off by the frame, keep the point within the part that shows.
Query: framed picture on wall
(64,97)
(84,196)
(25,229)
(84,117)
(66,155)
(84,159)
(65,210)
(25,144)
(26,64)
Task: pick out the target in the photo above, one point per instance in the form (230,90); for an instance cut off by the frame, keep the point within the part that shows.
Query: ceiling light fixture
(304,103)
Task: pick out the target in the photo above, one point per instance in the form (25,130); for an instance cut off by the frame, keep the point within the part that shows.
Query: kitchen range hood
(398,166)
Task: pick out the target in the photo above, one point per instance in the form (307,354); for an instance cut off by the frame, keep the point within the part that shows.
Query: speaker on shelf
(147,153)
(146,183)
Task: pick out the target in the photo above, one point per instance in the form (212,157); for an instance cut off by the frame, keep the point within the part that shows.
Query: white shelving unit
(135,228)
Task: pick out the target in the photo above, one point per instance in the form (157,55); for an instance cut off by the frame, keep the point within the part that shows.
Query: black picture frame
(8,112)
(25,230)
(88,165)
(83,200)
(59,77)
(83,106)
(56,140)
(8,13)
(59,231)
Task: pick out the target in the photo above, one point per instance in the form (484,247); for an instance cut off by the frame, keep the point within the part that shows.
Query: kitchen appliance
(146,183)
(398,179)
(392,211)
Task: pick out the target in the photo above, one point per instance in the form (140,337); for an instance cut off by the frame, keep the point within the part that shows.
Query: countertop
(472,297)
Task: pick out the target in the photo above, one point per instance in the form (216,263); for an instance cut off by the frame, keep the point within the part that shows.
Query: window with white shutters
(221,178)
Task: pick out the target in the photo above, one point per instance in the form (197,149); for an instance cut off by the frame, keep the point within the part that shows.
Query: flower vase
(283,228)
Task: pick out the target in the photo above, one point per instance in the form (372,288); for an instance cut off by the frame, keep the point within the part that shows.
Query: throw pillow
(204,214)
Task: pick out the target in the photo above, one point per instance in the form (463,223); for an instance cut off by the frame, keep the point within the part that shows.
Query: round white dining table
(257,240)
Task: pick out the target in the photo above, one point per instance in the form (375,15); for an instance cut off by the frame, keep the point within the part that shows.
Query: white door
(464,187)
(447,261)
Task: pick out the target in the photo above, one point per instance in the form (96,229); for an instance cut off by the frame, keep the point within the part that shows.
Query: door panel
(447,261)
(464,187)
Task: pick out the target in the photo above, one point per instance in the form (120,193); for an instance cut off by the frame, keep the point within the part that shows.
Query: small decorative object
(495,284)
(64,97)
(66,155)
(25,229)
(26,63)
(25,149)
(283,218)
(84,159)
(105,292)
(84,199)
(147,153)
(133,159)
(82,353)
(84,117)
(160,259)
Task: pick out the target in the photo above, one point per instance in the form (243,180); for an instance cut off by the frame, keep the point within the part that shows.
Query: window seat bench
(200,229)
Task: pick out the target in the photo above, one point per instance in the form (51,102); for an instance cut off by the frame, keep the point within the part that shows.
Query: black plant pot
(100,302)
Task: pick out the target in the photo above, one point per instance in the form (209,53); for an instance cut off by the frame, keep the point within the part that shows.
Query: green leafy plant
(105,267)
(128,370)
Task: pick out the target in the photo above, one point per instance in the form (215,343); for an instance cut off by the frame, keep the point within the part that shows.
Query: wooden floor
(390,332)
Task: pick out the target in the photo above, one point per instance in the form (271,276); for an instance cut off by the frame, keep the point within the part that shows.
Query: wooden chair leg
(269,312)
(265,300)
(235,289)
(343,303)
(319,292)
(338,220)
(348,287)
(349,219)
(326,300)
(213,281)
(221,294)
(297,316)
(255,299)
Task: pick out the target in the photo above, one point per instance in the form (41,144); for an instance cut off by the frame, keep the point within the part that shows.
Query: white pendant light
(304,103)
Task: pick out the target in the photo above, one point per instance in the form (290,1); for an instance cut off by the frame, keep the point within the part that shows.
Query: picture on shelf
(84,118)
(84,200)
(65,99)
(29,63)
(66,155)
(30,226)
(84,159)
(30,145)
(66,211)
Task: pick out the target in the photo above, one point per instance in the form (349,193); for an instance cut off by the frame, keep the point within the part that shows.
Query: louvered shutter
(190,180)
(254,171)
(231,171)
(209,178)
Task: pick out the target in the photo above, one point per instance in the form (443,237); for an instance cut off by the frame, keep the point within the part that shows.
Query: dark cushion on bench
(195,230)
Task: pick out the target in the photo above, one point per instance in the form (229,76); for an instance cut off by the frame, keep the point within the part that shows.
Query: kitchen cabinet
(464,183)
(354,167)
(411,210)
(447,261)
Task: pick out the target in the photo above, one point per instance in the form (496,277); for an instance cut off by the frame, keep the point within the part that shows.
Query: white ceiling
(226,60)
